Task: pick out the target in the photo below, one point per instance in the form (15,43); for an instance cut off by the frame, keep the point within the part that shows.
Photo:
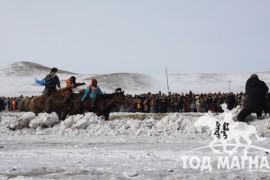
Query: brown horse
(37,104)
(24,104)
(104,104)
(55,103)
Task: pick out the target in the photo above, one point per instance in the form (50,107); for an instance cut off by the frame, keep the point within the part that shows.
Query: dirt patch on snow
(138,116)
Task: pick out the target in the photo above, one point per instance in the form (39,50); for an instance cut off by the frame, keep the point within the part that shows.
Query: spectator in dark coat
(231,101)
(2,107)
(256,91)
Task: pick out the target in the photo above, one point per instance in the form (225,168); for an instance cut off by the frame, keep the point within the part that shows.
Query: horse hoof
(11,128)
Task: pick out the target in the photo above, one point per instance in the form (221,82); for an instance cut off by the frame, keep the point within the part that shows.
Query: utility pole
(167,81)
(229,86)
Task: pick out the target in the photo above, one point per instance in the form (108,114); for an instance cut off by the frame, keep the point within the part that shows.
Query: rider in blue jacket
(92,91)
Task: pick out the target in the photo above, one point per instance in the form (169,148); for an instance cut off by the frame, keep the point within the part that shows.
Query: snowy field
(131,146)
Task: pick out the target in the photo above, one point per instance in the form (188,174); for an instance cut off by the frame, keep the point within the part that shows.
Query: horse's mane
(105,96)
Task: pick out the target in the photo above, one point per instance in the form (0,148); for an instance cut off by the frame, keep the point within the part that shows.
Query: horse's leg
(211,146)
(238,143)
(35,110)
(246,138)
(75,109)
(48,107)
(106,117)
(224,144)
(62,115)
(230,152)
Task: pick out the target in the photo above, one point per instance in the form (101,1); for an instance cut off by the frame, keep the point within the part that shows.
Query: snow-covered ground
(129,147)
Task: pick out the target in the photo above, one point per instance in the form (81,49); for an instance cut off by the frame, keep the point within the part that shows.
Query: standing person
(231,101)
(14,104)
(152,104)
(158,104)
(192,104)
(2,104)
(70,85)
(5,104)
(51,81)
(180,104)
(138,105)
(146,105)
(92,91)
(256,91)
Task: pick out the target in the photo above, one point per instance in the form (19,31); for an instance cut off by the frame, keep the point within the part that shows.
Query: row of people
(255,98)
(9,104)
(161,103)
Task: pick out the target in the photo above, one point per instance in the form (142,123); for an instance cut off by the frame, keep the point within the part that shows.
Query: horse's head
(119,97)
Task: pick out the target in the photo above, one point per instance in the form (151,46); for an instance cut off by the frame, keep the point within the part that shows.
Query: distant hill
(19,78)
(130,81)
(25,68)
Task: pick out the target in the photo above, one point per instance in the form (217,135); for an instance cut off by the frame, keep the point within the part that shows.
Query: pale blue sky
(143,36)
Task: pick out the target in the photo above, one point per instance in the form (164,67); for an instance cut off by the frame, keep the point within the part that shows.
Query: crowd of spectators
(163,103)
(189,102)
(9,103)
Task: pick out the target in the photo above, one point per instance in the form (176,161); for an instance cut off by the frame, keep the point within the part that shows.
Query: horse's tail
(257,136)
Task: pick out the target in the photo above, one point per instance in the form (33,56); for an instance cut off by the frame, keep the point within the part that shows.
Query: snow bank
(173,124)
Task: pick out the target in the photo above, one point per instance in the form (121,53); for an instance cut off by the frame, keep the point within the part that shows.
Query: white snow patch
(44,120)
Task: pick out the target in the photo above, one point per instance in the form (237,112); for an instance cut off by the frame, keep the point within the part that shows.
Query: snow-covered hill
(25,68)
(18,78)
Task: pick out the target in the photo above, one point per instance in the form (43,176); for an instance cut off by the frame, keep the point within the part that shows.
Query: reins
(116,101)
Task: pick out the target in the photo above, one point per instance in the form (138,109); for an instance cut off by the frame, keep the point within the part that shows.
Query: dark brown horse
(104,104)
(55,103)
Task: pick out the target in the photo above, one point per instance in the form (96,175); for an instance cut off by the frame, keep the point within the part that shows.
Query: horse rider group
(51,82)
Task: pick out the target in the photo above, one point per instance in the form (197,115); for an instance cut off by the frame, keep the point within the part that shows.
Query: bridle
(116,102)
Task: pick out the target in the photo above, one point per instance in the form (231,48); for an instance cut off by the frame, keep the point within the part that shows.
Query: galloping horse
(104,104)
(37,104)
